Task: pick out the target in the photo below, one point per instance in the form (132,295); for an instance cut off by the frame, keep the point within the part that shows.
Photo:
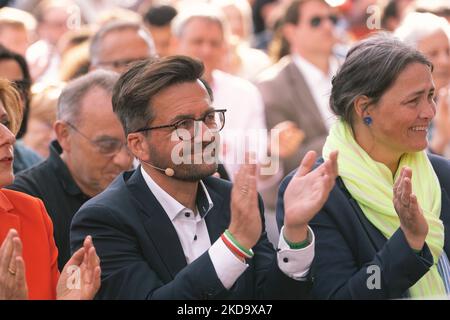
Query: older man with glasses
(90,151)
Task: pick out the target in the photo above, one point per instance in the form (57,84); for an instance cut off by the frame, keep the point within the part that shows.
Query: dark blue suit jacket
(347,244)
(142,258)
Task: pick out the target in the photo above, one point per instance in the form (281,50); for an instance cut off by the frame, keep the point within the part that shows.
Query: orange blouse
(28,216)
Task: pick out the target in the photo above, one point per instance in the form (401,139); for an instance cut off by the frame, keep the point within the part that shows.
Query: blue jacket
(142,258)
(348,247)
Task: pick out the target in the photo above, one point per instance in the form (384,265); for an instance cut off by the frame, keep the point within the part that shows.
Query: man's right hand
(246,224)
(306,194)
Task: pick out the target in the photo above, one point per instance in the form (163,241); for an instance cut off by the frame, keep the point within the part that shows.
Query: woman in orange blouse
(28,254)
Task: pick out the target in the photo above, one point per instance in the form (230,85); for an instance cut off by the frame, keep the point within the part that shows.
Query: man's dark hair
(160,16)
(370,69)
(135,89)
(23,86)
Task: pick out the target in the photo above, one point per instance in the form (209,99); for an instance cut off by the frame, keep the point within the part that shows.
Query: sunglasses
(316,21)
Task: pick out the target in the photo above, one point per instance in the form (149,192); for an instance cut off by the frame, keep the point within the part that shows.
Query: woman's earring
(368,121)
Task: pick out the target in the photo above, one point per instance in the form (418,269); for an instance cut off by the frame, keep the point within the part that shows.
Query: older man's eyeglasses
(188,128)
(106,146)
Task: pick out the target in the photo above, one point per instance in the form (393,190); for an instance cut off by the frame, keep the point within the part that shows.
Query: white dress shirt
(245,124)
(194,238)
(319,85)
(244,119)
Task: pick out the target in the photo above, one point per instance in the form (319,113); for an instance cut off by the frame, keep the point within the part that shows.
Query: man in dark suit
(169,230)
(298,86)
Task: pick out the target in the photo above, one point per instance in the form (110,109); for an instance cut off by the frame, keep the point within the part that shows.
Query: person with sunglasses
(298,86)
(170,230)
(87,155)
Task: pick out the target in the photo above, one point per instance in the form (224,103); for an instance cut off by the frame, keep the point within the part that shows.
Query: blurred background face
(314,33)
(14,38)
(41,118)
(437,48)
(203,39)
(10,69)
(120,48)
(6,149)
(54,24)
(92,170)
(162,38)
(235,20)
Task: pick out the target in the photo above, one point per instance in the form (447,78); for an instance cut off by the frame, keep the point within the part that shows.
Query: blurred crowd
(269,63)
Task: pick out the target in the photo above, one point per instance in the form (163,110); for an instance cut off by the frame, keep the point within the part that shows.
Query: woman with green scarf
(381,233)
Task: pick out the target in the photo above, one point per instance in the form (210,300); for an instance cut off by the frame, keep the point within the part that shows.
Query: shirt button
(286,260)
(187,214)
(195,237)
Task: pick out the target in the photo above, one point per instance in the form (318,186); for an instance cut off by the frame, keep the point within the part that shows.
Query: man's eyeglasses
(187,129)
(316,21)
(106,146)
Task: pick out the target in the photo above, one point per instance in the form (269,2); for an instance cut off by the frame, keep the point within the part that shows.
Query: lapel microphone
(168,171)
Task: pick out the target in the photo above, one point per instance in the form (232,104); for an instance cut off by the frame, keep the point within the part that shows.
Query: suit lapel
(301,92)
(157,224)
(375,236)
(445,207)
(218,218)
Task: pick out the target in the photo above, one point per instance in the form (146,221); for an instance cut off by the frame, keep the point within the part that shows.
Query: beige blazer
(286,96)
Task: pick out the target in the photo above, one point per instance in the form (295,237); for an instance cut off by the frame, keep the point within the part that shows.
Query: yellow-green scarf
(371,184)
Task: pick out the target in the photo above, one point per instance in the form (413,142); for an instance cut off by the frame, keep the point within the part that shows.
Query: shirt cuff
(228,267)
(295,263)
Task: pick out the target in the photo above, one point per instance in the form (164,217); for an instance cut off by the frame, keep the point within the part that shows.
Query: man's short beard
(185,171)
(194,172)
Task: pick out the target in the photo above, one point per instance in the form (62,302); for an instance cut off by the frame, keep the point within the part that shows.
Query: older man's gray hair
(115,26)
(208,12)
(417,26)
(69,102)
